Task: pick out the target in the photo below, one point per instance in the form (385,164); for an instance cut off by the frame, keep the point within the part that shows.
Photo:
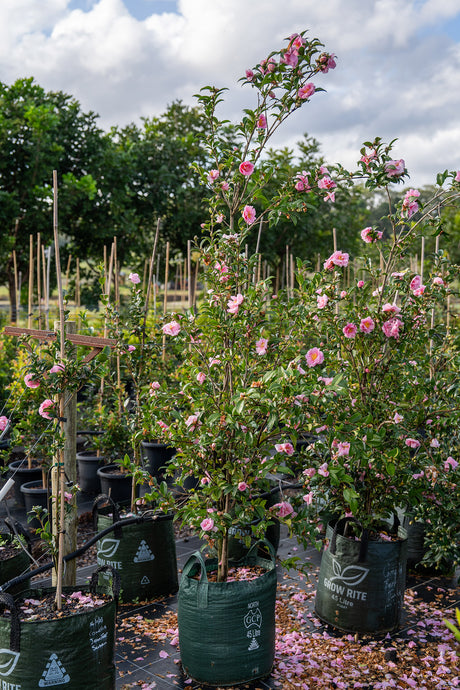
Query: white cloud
(397,76)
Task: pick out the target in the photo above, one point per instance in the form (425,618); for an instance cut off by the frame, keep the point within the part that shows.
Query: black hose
(136,519)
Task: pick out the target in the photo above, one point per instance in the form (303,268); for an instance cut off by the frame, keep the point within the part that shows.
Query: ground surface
(421,654)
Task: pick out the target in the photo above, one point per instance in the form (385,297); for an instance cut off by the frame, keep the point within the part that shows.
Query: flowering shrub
(379,432)
(240,375)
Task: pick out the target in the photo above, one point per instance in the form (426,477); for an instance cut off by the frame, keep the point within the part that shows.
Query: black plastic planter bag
(237,547)
(144,555)
(227,629)
(14,566)
(75,651)
(361,582)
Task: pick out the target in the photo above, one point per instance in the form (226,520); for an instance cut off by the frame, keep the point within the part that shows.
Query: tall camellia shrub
(233,416)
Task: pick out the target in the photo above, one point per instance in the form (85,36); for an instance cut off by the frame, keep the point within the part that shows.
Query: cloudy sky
(397,75)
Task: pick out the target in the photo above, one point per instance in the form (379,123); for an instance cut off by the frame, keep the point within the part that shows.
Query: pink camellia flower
(416,282)
(343,448)
(314,357)
(4,422)
(30,382)
(367,325)
(249,74)
(283,509)
(323,471)
(349,330)
(131,348)
(326,62)
(242,486)
(450,463)
(234,302)
(391,308)
(261,346)
(457,176)
(418,291)
(249,214)
(213,175)
(134,278)
(326,183)
(395,168)
(343,294)
(412,443)
(192,422)
(201,377)
(321,301)
(246,168)
(302,184)
(207,525)
(360,283)
(46,404)
(56,368)
(434,443)
(398,418)
(338,258)
(309,472)
(171,328)
(392,327)
(437,280)
(306,91)
(224,186)
(262,122)
(287,448)
(370,235)
(308,498)
(409,205)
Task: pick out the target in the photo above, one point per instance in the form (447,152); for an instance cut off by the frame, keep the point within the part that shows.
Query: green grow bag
(144,555)
(361,582)
(75,651)
(227,629)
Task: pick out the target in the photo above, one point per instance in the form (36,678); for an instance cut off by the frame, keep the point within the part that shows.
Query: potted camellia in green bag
(377,449)
(232,416)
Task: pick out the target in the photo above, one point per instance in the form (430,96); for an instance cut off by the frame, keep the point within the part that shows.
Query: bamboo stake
(195,283)
(39,292)
(44,287)
(16,287)
(189,274)
(69,260)
(61,477)
(334,238)
(165,298)
(31,281)
(149,284)
(422,258)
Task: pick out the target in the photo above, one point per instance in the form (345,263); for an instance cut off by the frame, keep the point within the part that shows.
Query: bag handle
(340,525)
(116,580)
(202,590)
(7,602)
(115,512)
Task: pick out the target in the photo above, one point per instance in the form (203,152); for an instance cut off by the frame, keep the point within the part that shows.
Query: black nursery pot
(158,455)
(115,483)
(35,495)
(88,464)
(22,474)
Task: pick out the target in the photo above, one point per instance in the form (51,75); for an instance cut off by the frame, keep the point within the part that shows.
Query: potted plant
(233,414)
(144,552)
(64,634)
(378,356)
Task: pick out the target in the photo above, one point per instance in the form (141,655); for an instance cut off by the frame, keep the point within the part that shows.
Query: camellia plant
(382,338)
(236,409)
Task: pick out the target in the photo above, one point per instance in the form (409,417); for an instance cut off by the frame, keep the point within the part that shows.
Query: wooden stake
(422,258)
(31,281)
(39,292)
(16,287)
(334,238)
(59,497)
(165,298)
(189,274)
